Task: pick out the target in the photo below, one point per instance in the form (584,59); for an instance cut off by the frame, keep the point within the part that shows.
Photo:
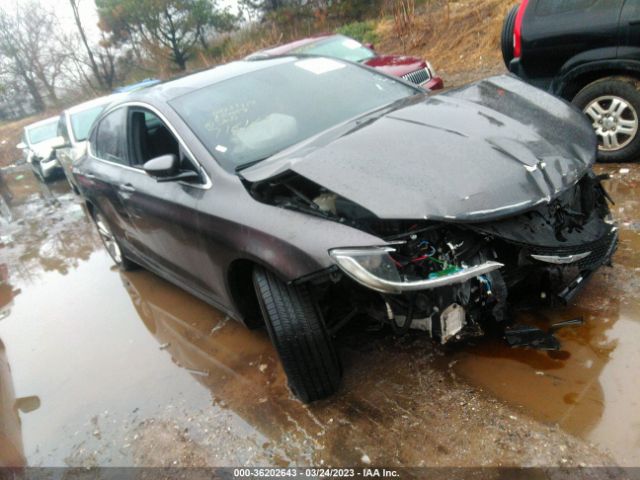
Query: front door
(163,213)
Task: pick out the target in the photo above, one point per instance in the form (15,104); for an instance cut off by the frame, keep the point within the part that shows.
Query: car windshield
(253,116)
(338,47)
(41,133)
(82,121)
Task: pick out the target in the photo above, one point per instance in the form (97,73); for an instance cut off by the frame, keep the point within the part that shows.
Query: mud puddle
(589,388)
(99,367)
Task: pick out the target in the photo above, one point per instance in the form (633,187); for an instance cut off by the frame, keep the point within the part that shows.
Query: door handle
(90,176)
(127,187)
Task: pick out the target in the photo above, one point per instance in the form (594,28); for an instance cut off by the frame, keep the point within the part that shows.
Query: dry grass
(455,36)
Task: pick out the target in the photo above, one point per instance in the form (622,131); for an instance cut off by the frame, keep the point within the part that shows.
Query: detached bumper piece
(533,337)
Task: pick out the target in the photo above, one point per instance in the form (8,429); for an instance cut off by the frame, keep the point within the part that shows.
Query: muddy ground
(124,369)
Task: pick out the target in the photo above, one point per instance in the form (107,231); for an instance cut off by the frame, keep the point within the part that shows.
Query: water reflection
(47,229)
(586,387)
(11,447)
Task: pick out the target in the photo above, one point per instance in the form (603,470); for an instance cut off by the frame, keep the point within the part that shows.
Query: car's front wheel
(298,332)
(613,106)
(111,243)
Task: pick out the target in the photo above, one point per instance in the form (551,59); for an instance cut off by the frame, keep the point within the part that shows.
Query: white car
(39,141)
(73,127)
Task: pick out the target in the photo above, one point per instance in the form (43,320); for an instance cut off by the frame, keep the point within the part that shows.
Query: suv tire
(298,332)
(507,35)
(597,98)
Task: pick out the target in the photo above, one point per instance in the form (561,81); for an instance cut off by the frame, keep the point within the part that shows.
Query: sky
(88,13)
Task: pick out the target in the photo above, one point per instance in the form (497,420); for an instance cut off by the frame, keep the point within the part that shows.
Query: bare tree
(92,61)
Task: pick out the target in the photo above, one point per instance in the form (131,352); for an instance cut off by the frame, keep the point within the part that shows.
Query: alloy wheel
(614,120)
(108,238)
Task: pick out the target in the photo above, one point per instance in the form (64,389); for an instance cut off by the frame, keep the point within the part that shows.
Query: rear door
(554,31)
(630,31)
(107,170)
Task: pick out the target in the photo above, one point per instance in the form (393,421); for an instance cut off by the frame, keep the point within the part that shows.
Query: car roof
(167,91)
(105,100)
(42,122)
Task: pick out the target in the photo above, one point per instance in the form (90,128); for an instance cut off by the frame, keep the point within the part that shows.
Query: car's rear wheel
(613,107)
(298,332)
(507,35)
(110,242)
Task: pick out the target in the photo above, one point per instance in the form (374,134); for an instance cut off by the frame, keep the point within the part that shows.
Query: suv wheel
(506,41)
(298,332)
(111,243)
(613,107)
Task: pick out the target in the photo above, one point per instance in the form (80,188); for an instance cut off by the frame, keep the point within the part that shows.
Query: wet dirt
(100,367)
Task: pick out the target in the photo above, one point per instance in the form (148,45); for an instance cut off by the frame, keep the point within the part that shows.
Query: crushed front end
(458,280)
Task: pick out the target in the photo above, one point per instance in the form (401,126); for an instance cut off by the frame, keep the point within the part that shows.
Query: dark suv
(588,52)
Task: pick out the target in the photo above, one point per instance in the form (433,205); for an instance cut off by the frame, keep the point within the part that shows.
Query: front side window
(82,121)
(150,137)
(338,47)
(42,133)
(253,116)
(110,142)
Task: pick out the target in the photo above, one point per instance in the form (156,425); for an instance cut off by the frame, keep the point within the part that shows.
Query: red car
(411,69)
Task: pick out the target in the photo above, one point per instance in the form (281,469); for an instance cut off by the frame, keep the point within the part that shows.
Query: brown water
(590,388)
(123,368)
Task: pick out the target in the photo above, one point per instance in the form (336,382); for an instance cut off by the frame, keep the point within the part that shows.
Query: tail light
(517,30)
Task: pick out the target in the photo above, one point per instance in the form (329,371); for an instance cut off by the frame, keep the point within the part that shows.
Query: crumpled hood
(486,151)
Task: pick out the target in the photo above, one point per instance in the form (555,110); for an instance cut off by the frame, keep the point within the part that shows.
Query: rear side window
(108,141)
(554,7)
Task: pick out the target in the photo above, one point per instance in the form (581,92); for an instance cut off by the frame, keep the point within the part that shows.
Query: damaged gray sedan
(307,193)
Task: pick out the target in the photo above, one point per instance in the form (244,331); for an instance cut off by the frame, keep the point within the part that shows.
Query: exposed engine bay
(455,280)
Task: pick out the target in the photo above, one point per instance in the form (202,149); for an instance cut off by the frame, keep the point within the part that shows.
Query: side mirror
(58,142)
(369,46)
(27,404)
(21,146)
(162,166)
(165,168)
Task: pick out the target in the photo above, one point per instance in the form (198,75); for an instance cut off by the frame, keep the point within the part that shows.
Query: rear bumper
(435,83)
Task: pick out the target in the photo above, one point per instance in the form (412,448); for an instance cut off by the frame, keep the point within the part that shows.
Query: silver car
(73,127)
(39,141)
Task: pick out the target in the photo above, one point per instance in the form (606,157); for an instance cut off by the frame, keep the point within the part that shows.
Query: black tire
(120,259)
(506,41)
(298,332)
(626,89)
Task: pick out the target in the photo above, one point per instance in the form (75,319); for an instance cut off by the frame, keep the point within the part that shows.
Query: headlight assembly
(374,268)
(368,265)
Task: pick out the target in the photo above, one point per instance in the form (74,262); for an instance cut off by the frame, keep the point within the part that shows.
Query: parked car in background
(411,69)
(73,126)
(147,82)
(38,144)
(304,193)
(587,52)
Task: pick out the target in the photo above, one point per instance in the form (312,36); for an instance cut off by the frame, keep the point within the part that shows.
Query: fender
(579,66)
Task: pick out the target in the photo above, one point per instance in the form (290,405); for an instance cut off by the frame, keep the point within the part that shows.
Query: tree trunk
(92,61)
